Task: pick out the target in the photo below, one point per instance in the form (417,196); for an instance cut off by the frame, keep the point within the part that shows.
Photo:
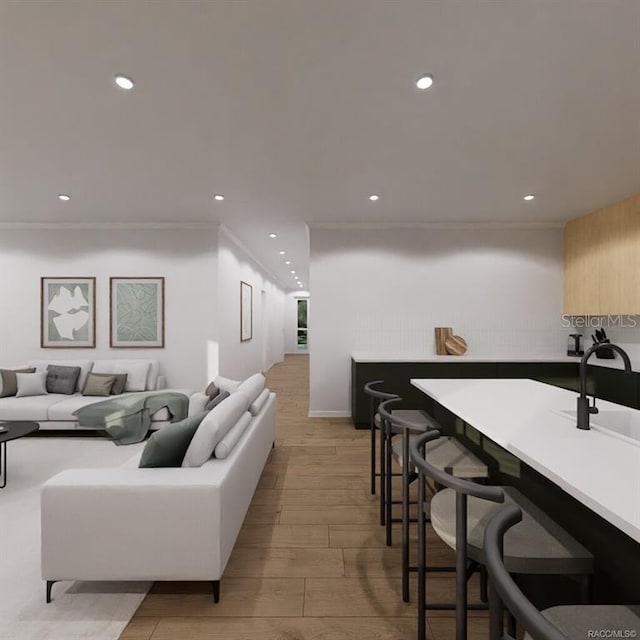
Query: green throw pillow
(167,446)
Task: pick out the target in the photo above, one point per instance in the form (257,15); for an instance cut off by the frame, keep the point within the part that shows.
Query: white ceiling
(297,110)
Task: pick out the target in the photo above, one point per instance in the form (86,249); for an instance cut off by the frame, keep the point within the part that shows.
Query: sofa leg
(50,584)
(273,444)
(216,590)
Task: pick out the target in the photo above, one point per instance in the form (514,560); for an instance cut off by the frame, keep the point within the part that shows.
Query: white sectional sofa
(131,523)
(55,410)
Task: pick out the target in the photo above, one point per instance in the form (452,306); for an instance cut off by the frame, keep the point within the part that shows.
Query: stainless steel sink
(620,423)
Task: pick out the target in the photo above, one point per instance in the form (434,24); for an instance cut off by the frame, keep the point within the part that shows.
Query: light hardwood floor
(310,561)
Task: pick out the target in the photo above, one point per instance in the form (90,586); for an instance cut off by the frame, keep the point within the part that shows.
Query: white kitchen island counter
(523,417)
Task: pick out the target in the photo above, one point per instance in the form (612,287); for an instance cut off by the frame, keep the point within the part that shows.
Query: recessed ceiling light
(273,235)
(292,271)
(64,197)
(287,261)
(123,82)
(281,253)
(373,197)
(218,196)
(529,197)
(424,81)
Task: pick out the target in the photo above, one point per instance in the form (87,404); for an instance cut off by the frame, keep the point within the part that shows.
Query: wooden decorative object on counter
(442,333)
(455,345)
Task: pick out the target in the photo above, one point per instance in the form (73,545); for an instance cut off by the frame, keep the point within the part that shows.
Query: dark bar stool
(556,623)
(387,431)
(445,453)
(459,515)
(376,396)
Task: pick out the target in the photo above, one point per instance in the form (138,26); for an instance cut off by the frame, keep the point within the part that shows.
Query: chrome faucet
(584,408)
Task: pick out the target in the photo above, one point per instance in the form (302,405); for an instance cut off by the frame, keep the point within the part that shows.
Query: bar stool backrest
(460,486)
(503,586)
(370,390)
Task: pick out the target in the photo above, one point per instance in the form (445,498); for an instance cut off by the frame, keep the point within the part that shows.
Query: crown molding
(496,224)
(252,255)
(110,225)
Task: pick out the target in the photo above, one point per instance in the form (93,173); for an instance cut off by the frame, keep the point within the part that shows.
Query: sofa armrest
(131,524)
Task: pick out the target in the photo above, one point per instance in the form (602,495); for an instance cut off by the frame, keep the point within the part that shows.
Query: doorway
(303,324)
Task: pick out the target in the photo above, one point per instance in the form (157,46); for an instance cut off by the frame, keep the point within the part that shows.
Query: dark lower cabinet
(606,383)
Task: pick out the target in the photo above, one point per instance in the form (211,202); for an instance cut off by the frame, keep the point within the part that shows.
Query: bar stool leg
(461,566)
(405,515)
(422,561)
(372,427)
(383,471)
(388,486)
(586,589)
(496,614)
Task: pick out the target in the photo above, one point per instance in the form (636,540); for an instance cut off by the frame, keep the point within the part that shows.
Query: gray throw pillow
(119,383)
(9,382)
(167,446)
(98,384)
(216,400)
(62,379)
(212,391)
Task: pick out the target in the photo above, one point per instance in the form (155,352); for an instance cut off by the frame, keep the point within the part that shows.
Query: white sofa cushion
(63,410)
(85,367)
(213,428)
(252,386)
(259,402)
(33,409)
(225,446)
(139,374)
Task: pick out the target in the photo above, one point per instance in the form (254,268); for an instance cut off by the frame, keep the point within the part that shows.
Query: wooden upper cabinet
(602,261)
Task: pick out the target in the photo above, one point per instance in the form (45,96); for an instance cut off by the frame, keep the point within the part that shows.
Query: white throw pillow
(259,402)
(31,384)
(252,386)
(226,445)
(136,371)
(213,428)
(226,384)
(197,403)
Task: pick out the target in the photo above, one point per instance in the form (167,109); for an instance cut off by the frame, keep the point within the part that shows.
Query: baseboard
(329,414)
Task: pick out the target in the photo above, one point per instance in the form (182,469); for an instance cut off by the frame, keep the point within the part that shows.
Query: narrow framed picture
(68,312)
(136,313)
(246,311)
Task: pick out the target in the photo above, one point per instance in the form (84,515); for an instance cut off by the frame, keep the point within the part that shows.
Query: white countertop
(599,470)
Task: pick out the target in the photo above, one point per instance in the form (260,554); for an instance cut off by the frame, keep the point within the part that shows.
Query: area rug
(99,611)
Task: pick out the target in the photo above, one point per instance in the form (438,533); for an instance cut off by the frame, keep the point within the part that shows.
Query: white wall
(241,359)
(384,290)
(187,258)
(291,321)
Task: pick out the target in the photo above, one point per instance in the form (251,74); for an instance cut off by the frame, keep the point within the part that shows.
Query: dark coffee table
(14,430)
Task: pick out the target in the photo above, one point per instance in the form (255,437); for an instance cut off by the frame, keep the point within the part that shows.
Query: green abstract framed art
(136,313)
